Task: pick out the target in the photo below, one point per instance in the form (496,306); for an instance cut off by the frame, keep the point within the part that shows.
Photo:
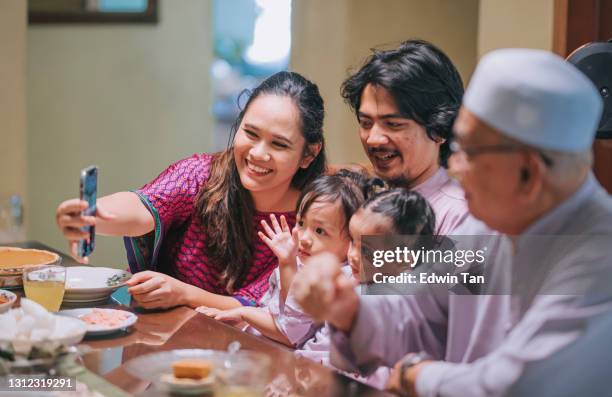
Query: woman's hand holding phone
(70,220)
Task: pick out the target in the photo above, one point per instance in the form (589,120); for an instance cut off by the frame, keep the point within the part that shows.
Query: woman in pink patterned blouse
(191,233)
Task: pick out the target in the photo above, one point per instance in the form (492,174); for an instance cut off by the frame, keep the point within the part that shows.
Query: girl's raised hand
(281,240)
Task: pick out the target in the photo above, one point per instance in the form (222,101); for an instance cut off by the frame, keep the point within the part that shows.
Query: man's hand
(325,293)
(153,290)
(394,384)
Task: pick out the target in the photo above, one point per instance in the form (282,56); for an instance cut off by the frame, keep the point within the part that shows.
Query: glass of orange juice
(45,285)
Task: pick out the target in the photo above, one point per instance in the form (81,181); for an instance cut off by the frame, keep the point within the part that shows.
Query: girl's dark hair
(367,185)
(409,211)
(226,208)
(423,82)
(345,186)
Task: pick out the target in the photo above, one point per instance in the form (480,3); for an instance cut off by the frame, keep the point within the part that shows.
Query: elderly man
(523,157)
(406,100)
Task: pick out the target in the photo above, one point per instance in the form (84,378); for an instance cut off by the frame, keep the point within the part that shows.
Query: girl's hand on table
(209,311)
(231,316)
(281,240)
(70,220)
(153,290)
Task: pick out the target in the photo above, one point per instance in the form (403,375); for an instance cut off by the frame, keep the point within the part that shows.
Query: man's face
(491,179)
(398,148)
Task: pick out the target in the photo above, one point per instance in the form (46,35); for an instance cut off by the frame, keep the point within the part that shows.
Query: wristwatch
(409,361)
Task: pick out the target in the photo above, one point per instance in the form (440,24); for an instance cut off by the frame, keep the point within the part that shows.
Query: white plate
(88,279)
(85,299)
(85,302)
(93,297)
(186,387)
(101,329)
(92,284)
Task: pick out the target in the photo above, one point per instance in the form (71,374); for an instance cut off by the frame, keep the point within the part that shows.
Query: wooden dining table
(184,328)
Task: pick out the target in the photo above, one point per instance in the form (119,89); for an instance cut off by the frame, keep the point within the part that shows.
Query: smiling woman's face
(269,145)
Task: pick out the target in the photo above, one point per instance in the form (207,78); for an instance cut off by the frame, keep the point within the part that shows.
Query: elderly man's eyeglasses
(473,151)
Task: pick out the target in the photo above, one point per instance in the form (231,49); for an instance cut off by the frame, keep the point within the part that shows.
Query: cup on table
(244,374)
(45,285)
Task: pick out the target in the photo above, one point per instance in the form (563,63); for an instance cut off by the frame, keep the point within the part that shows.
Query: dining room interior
(133,97)
(132,94)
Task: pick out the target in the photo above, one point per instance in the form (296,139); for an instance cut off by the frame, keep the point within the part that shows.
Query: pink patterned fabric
(178,246)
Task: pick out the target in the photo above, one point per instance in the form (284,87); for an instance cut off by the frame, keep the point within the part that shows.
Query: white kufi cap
(536,98)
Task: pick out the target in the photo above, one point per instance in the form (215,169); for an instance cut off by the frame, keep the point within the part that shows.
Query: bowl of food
(7,299)
(31,325)
(14,260)
(42,358)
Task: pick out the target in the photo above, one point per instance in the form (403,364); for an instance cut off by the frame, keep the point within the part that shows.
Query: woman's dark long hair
(423,82)
(226,208)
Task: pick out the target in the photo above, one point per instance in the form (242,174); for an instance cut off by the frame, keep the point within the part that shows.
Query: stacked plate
(85,284)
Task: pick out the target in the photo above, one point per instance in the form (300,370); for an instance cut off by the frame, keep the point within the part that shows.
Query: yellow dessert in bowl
(14,260)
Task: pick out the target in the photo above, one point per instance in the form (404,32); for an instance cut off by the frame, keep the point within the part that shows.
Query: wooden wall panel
(578,22)
(605,20)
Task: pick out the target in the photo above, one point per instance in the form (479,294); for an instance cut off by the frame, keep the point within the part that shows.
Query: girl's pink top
(178,245)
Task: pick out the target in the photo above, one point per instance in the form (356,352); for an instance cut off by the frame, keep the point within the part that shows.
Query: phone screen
(88,192)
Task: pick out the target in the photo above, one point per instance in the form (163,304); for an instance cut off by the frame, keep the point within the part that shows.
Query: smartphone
(88,192)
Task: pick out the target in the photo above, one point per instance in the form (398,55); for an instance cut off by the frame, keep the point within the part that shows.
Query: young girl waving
(324,210)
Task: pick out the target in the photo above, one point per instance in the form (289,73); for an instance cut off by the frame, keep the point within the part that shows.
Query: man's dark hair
(423,82)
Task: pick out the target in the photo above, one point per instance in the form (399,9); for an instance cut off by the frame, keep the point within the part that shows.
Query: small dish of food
(189,376)
(102,321)
(7,299)
(180,372)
